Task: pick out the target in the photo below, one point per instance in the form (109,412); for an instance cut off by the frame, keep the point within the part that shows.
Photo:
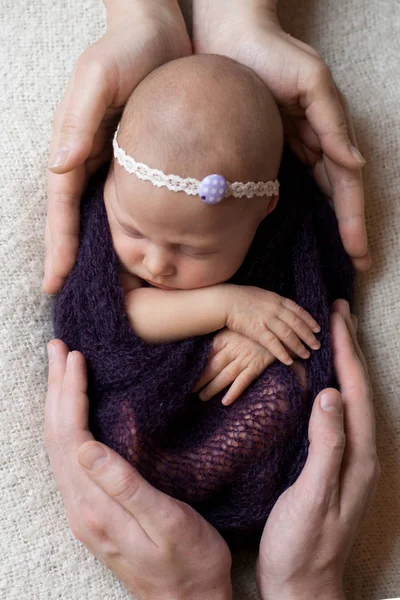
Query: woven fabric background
(39,44)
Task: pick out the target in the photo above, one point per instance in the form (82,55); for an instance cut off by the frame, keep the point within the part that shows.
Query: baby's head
(193,117)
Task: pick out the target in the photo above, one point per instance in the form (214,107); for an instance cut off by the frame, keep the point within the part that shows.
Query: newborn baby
(194,117)
(160,271)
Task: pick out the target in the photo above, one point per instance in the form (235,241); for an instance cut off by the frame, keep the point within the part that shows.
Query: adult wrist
(306,592)
(222,592)
(235,5)
(123,9)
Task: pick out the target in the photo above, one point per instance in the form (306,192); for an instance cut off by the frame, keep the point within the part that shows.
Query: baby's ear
(272,204)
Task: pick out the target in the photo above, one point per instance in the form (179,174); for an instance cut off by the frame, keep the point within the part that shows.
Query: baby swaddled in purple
(230,463)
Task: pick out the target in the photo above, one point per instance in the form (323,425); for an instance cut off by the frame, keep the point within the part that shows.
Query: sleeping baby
(207,265)
(180,237)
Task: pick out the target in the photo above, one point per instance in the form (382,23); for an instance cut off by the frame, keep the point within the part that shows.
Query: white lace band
(212,189)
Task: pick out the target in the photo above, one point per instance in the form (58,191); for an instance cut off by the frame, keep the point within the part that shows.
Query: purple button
(213,189)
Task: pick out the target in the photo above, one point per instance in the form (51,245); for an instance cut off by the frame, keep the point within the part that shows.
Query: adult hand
(315,115)
(158,547)
(313,525)
(140,36)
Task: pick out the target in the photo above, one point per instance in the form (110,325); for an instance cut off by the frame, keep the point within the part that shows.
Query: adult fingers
(74,405)
(51,282)
(64,194)
(57,353)
(78,117)
(322,179)
(354,384)
(361,475)
(319,98)
(342,307)
(319,480)
(156,513)
(91,514)
(348,198)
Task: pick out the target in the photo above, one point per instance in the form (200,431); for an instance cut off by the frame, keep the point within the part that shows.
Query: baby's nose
(158,264)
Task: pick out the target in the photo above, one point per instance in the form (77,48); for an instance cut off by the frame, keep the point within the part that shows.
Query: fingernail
(60,158)
(331,401)
(357,155)
(70,360)
(92,457)
(317,329)
(51,352)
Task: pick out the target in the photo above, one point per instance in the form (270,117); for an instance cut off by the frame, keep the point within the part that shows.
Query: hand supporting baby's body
(255,324)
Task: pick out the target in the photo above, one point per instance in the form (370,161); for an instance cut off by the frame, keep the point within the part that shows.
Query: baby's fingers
(299,327)
(286,334)
(241,383)
(213,367)
(301,314)
(271,342)
(221,381)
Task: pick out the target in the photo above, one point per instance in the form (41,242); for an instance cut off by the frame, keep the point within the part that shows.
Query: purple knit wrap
(230,463)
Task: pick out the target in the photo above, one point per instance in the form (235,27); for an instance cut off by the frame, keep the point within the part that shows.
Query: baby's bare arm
(275,322)
(159,316)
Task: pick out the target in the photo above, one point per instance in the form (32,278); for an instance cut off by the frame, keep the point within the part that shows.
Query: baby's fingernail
(358,156)
(331,401)
(316,345)
(59,158)
(306,354)
(317,329)
(92,457)
(289,362)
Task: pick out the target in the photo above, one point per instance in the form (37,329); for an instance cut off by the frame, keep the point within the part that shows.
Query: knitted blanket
(230,463)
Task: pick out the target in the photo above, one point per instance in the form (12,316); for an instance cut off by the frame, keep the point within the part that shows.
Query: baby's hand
(234,358)
(272,321)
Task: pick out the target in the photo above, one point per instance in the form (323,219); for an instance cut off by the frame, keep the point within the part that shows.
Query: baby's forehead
(146,204)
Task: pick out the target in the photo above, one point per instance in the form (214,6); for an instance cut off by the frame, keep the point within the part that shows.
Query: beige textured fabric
(39,45)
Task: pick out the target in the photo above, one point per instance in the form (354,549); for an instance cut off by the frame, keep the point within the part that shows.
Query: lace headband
(212,189)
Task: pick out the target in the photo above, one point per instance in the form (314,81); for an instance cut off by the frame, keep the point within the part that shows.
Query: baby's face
(174,240)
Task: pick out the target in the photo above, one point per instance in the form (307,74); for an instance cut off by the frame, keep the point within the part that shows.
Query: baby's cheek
(203,273)
(127,252)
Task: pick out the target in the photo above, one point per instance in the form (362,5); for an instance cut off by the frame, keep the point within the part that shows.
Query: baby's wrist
(226,302)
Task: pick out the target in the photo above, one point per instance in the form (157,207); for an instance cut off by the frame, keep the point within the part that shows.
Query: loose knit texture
(230,463)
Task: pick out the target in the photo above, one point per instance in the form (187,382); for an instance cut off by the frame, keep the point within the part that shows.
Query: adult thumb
(327,444)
